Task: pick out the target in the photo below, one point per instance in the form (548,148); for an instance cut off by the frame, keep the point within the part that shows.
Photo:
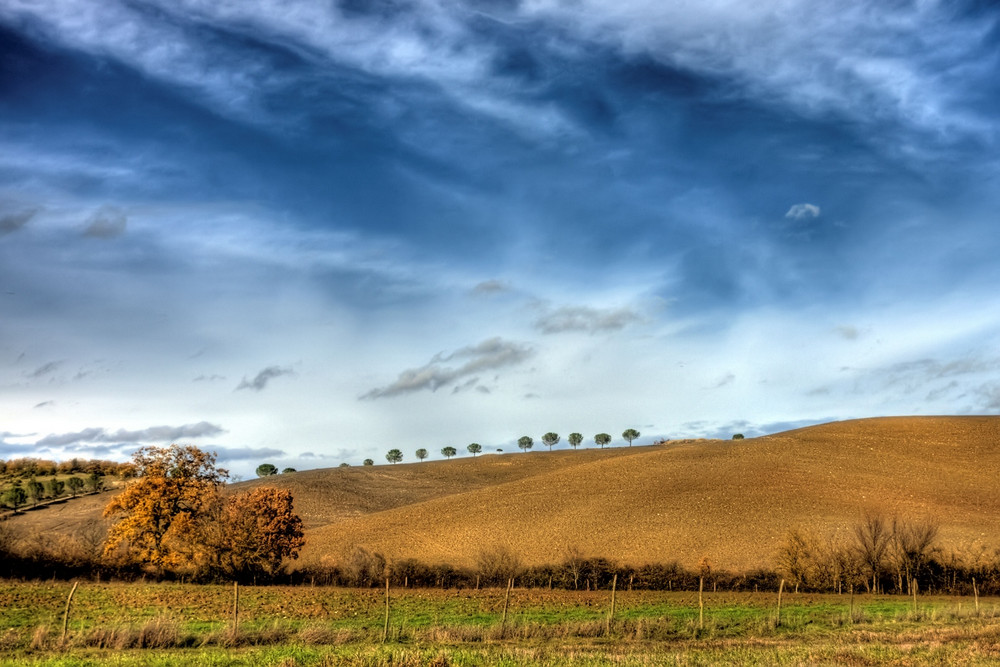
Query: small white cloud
(803,212)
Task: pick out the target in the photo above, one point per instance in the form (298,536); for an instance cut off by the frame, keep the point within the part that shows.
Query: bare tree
(912,546)
(796,558)
(872,539)
(497,565)
(574,561)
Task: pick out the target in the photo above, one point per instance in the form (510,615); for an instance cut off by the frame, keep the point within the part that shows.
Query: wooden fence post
(852,602)
(611,614)
(913,587)
(781,588)
(236,608)
(69,600)
(385,628)
(506,603)
(701,603)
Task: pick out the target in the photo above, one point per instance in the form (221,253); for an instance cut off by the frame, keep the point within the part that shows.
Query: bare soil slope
(732,501)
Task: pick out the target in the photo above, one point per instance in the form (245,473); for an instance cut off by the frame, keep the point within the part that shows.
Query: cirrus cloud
(491,354)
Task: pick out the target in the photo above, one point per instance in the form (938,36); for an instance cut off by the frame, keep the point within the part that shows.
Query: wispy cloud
(45,369)
(246,453)
(106,223)
(491,354)
(870,60)
(586,319)
(11,222)
(151,434)
(490,287)
(209,378)
(262,378)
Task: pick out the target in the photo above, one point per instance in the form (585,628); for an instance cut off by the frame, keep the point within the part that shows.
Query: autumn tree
(525,442)
(258,531)
(448,452)
(602,439)
(75,485)
(157,516)
(421,454)
(630,434)
(266,469)
(394,456)
(474,448)
(574,440)
(550,439)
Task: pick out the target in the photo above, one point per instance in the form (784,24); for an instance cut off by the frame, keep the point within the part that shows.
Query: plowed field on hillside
(732,501)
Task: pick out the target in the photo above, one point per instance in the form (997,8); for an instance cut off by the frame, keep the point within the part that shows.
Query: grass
(159,624)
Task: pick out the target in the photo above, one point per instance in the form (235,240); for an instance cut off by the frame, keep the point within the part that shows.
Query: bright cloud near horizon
(306,233)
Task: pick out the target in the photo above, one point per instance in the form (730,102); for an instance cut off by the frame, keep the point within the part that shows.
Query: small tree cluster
(879,553)
(25,468)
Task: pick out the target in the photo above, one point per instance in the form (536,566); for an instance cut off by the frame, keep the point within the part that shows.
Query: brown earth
(732,501)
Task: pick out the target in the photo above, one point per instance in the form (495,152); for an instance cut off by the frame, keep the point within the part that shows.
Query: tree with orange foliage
(259,531)
(158,515)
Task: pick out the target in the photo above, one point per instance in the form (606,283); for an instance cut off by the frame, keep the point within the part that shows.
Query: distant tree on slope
(630,434)
(525,442)
(449,452)
(266,469)
(574,440)
(75,484)
(35,490)
(550,439)
(474,448)
(15,497)
(394,456)
(421,454)
(602,439)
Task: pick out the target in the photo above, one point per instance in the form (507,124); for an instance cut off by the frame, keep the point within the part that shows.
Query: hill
(732,501)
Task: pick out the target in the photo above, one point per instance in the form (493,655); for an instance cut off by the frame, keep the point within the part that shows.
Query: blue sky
(307,232)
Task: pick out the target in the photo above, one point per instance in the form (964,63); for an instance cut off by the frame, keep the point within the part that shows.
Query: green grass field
(160,624)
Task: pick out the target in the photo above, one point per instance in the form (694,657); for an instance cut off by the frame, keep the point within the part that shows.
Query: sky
(307,232)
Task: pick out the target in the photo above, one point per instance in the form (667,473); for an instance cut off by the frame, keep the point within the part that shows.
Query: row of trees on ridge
(524,443)
(18,495)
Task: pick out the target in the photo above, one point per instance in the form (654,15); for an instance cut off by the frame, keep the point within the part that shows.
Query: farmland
(156,623)
(732,501)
